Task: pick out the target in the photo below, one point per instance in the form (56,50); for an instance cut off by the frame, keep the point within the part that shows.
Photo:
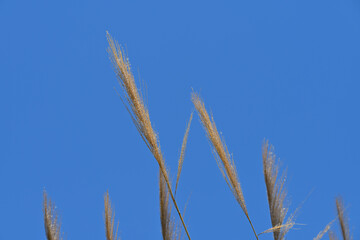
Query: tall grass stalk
(170,229)
(139,113)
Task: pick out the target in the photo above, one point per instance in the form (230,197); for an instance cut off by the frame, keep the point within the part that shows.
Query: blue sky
(287,71)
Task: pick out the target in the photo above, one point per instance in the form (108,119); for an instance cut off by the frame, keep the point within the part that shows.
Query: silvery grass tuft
(280,223)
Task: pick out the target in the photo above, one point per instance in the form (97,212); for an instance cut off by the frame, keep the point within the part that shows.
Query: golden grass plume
(109,216)
(223,158)
(276,193)
(138,112)
(51,222)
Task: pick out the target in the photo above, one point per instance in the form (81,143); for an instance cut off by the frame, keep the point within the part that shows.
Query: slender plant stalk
(138,112)
(276,193)
(182,152)
(223,158)
(343,220)
(168,227)
(51,222)
(165,211)
(109,216)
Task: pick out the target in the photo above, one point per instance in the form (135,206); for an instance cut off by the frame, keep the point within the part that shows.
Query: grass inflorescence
(280,222)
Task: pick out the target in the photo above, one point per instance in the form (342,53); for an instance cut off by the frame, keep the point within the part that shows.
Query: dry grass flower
(51,222)
(109,216)
(276,193)
(223,158)
(138,112)
(171,229)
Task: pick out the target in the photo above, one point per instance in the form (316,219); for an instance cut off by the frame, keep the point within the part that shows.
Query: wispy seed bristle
(51,222)
(182,152)
(324,231)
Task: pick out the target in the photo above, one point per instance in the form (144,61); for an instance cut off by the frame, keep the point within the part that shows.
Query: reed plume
(276,193)
(139,114)
(343,220)
(223,158)
(109,216)
(51,222)
(182,152)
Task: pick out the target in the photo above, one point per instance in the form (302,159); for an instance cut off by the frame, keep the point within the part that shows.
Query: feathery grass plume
(223,158)
(343,220)
(51,222)
(276,193)
(324,231)
(138,112)
(109,220)
(182,153)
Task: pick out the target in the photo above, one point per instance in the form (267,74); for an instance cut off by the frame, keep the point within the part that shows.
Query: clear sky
(284,70)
